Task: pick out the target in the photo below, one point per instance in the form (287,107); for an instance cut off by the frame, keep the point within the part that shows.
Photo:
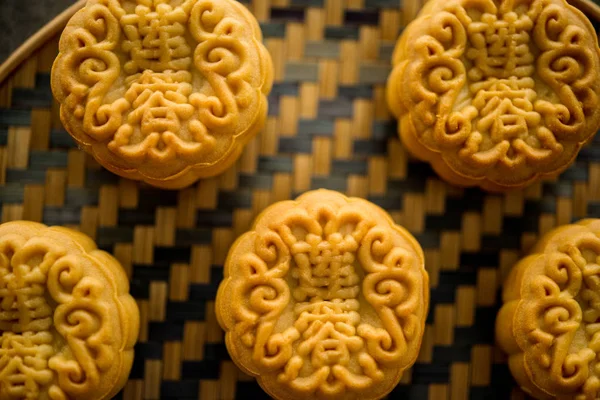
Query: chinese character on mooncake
(325,298)
(496,94)
(164,91)
(548,324)
(67,322)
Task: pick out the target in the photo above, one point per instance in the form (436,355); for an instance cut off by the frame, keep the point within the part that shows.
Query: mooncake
(325,298)
(548,324)
(163,91)
(67,322)
(496,94)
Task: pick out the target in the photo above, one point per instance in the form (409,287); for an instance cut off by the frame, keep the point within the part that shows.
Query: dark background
(20,19)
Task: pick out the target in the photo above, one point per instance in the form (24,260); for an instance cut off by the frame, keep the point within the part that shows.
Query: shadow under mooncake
(324,298)
(162,91)
(496,93)
(67,322)
(548,324)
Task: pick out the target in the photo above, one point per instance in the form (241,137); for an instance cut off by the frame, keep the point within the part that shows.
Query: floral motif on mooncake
(163,91)
(325,298)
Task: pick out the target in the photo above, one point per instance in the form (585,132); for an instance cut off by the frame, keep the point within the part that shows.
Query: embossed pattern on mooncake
(67,322)
(165,91)
(550,321)
(496,93)
(325,298)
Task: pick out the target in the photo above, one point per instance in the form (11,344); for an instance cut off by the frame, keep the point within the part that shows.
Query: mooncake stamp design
(165,91)
(549,321)
(67,322)
(496,93)
(324,298)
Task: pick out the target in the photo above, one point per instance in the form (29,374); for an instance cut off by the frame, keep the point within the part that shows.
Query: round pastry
(548,324)
(164,91)
(325,298)
(496,93)
(67,322)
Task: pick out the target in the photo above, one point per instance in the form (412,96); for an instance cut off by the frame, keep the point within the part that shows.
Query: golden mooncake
(325,298)
(548,324)
(496,94)
(67,322)
(164,91)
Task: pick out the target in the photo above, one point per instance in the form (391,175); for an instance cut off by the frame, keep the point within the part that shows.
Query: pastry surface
(67,322)
(165,91)
(496,93)
(324,298)
(549,321)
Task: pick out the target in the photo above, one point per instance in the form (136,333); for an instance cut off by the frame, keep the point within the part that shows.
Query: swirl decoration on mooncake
(163,91)
(67,322)
(324,298)
(496,93)
(549,324)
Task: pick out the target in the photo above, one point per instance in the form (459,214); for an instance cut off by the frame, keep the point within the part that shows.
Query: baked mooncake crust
(67,322)
(325,298)
(164,91)
(548,324)
(496,93)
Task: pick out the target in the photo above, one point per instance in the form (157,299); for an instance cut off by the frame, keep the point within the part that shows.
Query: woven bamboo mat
(328,127)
